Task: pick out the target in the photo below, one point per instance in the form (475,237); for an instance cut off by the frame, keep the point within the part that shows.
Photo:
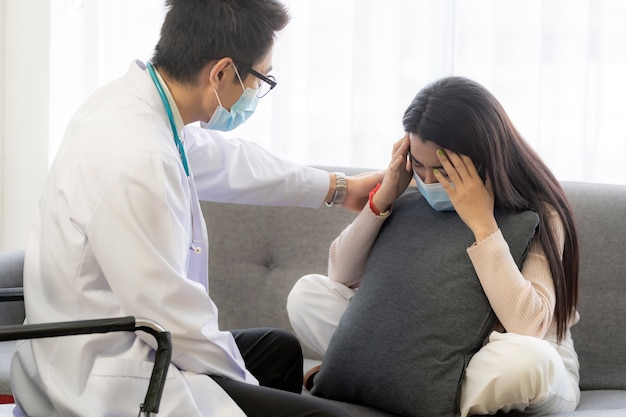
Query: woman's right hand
(397,177)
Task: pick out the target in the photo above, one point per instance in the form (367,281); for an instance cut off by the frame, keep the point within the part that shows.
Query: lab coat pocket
(121,367)
(119,385)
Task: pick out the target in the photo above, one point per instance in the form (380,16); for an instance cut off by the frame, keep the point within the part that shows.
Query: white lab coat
(118,233)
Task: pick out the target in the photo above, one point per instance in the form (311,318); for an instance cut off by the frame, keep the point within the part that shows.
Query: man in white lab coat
(119,230)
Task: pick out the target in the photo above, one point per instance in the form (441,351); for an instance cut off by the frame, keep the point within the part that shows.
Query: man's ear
(216,74)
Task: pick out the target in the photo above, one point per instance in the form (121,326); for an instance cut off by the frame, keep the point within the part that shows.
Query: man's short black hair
(196,32)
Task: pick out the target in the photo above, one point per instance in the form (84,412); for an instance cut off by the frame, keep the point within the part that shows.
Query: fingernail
(439,152)
(436,171)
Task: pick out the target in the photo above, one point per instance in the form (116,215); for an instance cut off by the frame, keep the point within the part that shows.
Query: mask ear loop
(218,97)
(240,82)
(239,77)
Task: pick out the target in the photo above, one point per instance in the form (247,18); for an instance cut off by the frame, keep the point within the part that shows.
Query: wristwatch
(340,190)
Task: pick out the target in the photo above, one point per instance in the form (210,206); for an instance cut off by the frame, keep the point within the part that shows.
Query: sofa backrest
(258,253)
(600,336)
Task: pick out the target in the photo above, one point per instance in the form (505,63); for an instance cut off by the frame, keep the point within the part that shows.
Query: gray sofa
(257,254)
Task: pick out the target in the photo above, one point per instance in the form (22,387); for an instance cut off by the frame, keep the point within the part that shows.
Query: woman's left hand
(473,200)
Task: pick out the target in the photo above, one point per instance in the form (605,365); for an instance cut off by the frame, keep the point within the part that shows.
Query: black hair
(196,32)
(463,116)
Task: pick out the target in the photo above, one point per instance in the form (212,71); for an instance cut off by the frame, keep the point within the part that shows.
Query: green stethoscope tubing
(170,116)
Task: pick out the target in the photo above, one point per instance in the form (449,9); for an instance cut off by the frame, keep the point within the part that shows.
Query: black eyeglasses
(268,84)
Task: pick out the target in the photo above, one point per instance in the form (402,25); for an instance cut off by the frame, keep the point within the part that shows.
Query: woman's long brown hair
(461,115)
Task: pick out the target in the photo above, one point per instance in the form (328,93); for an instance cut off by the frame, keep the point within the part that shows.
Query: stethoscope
(170,116)
(177,141)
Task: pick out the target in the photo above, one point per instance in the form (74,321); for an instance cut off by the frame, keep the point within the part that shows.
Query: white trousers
(510,372)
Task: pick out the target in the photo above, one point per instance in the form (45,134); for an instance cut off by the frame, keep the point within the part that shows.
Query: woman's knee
(298,294)
(532,358)
(315,306)
(510,372)
(313,294)
(524,360)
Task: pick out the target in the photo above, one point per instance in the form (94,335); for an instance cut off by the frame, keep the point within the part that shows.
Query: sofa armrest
(12,294)
(11,277)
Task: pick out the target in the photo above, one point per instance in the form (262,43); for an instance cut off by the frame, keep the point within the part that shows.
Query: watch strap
(340,190)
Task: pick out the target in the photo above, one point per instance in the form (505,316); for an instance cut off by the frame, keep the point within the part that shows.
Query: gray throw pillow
(419,315)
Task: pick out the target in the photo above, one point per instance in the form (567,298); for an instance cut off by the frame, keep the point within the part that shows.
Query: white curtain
(346,71)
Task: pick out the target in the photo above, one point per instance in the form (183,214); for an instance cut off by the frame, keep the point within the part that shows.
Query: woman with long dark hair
(466,155)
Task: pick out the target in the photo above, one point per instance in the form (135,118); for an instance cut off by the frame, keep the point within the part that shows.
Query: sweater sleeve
(349,251)
(523,301)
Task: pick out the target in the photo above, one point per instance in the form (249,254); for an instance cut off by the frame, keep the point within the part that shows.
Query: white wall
(24,94)
(531,69)
(1,121)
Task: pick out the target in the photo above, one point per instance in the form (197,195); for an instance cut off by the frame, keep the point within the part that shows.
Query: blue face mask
(241,111)
(434,194)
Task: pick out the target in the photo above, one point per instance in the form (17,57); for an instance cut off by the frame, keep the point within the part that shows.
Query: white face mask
(435,194)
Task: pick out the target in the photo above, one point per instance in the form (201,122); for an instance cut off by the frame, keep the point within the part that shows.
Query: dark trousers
(274,357)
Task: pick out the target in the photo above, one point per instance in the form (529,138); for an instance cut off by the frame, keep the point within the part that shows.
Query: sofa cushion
(419,316)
